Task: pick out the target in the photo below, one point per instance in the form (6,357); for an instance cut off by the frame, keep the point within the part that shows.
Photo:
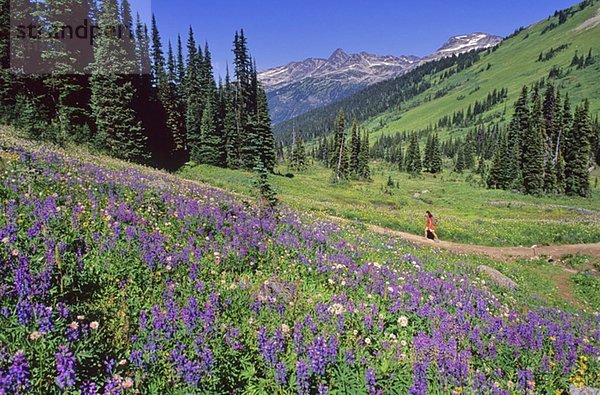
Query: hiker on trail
(430,227)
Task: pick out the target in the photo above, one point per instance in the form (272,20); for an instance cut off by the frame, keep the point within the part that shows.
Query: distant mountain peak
(338,55)
(465,43)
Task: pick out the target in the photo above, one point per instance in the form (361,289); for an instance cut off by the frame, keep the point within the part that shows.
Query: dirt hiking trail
(498,253)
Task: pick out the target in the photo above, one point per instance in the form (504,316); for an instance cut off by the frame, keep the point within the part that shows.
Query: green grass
(466,212)
(512,65)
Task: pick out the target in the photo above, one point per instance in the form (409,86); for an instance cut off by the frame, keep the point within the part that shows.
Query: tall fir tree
(159,75)
(460,164)
(559,170)
(142,47)
(208,149)
(500,175)
(435,166)
(517,129)
(112,94)
(413,164)
(427,155)
(340,154)
(354,149)
(231,127)
(172,103)
(534,149)
(298,155)
(128,36)
(65,58)
(364,172)
(577,151)
(266,142)
(194,101)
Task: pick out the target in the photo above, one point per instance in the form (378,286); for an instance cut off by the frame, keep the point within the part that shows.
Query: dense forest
(547,147)
(124,95)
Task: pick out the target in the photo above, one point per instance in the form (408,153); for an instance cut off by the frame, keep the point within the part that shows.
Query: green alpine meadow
(188,208)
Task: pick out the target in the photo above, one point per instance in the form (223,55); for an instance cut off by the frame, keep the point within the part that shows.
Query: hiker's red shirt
(430,224)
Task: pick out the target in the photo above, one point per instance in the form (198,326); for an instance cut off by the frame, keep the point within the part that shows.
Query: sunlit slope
(513,64)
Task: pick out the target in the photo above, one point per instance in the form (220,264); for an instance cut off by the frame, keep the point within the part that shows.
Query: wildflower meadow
(118,279)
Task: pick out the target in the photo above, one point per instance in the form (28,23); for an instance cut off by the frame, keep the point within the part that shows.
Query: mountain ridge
(300,86)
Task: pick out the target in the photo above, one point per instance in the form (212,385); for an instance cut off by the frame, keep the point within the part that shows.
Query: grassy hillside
(119,279)
(512,65)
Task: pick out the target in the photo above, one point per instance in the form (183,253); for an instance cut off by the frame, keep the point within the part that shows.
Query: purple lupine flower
(321,352)
(322,389)
(371,382)
(302,377)
(525,379)
(350,357)
(89,388)
(281,373)
(420,378)
(18,372)
(65,366)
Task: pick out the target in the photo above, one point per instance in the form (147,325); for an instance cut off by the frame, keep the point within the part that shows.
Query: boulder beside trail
(497,277)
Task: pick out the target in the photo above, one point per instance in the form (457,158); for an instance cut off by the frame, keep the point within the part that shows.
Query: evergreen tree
(577,152)
(427,156)
(142,47)
(265,190)
(460,164)
(112,95)
(413,164)
(65,58)
(194,101)
(171,98)
(266,142)
(340,155)
(468,155)
(231,129)
(534,150)
(207,151)
(517,129)
(180,67)
(354,149)
(481,167)
(550,121)
(500,175)
(298,155)
(158,60)
(550,180)
(401,159)
(435,165)
(6,78)
(559,167)
(128,37)
(364,172)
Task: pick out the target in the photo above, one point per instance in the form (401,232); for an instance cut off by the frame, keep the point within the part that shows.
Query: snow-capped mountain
(465,43)
(358,68)
(302,86)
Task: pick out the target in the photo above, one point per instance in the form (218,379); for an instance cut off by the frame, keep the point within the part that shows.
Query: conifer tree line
(134,99)
(347,154)
(549,148)
(461,118)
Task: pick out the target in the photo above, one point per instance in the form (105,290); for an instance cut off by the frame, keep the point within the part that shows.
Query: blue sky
(283,31)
